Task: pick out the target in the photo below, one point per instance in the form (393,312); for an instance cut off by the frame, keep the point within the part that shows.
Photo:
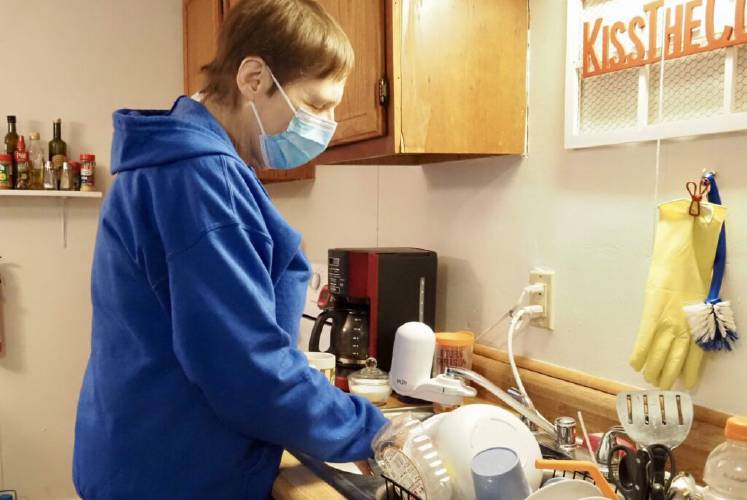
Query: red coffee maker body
(373,291)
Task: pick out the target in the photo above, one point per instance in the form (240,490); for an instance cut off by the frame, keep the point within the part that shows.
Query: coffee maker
(372,292)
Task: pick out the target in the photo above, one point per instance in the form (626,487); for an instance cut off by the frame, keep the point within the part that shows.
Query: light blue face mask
(306,137)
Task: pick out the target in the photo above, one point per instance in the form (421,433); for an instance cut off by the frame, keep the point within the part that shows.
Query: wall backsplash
(587,214)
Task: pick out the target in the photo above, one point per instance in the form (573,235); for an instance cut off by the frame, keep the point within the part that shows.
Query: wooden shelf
(50,194)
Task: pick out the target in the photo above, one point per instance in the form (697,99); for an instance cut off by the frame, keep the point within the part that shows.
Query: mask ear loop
(280,88)
(256,115)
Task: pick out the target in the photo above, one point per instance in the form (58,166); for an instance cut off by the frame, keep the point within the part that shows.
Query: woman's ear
(251,77)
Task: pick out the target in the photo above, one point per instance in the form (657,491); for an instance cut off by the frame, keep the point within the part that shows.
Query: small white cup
(324,362)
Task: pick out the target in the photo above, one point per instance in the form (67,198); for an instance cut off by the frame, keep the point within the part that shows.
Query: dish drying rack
(395,491)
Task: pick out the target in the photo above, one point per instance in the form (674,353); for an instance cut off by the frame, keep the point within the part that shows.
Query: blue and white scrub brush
(712,322)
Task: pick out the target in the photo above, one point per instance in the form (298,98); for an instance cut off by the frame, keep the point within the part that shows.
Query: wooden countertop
(296,482)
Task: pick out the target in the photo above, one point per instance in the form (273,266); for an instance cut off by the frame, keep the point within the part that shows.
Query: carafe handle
(316,331)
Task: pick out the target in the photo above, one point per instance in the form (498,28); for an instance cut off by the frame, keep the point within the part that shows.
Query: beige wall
(586,214)
(79,60)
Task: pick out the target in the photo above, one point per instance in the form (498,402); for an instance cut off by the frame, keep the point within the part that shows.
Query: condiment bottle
(11,142)
(75,168)
(87,172)
(23,166)
(36,158)
(57,147)
(6,167)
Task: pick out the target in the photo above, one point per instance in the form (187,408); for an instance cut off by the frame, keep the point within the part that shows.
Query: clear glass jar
(726,468)
(370,383)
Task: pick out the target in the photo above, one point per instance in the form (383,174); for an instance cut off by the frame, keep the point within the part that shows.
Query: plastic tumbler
(498,475)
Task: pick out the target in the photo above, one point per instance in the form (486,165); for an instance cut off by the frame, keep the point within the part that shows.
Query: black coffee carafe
(349,338)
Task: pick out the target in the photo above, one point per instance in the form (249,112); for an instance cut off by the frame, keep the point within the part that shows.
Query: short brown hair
(295,38)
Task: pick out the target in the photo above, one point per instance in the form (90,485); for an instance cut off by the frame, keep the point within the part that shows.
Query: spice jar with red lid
(87,172)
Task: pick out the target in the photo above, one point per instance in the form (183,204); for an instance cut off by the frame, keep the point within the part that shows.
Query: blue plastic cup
(498,475)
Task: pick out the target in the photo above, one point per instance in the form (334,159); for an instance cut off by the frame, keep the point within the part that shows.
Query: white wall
(79,60)
(588,215)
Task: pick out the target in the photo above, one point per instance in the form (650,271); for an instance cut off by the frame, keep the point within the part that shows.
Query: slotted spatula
(656,417)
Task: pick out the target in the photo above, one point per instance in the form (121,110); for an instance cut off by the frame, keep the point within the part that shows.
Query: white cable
(512,362)
(507,314)
(660,114)
(516,323)
(534,288)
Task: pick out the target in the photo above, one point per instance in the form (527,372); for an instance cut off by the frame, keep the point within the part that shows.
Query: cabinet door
(202,20)
(360,114)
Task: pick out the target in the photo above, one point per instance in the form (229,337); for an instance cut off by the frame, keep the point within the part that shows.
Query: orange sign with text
(681,24)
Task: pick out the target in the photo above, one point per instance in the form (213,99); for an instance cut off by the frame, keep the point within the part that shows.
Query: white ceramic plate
(466,431)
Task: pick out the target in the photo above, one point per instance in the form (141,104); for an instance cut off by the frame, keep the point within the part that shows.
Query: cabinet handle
(383,91)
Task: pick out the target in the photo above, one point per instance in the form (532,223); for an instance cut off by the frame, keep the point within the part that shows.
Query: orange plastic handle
(580,466)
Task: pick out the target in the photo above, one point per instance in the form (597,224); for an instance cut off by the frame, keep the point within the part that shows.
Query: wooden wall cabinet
(434,80)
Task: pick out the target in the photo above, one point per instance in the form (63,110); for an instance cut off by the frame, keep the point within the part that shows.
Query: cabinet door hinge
(383,91)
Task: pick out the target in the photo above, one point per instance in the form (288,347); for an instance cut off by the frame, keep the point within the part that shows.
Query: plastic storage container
(726,467)
(453,350)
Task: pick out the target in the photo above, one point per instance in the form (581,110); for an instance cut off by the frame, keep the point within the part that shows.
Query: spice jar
(370,383)
(6,167)
(66,177)
(87,171)
(50,177)
(75,169)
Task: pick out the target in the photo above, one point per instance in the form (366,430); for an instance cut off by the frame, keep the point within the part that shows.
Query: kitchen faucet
(562,433)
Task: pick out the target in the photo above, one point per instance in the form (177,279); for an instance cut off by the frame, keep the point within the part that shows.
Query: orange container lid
(736,428)
(455,339)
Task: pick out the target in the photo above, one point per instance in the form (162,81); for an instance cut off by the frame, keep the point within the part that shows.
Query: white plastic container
(726,467)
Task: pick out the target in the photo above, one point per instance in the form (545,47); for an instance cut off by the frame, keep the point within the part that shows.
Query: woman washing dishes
(194,386)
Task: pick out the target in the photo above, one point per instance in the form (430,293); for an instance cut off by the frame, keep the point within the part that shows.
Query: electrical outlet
(547,278)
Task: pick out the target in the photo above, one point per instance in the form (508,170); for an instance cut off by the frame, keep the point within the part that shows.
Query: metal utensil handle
(421,300)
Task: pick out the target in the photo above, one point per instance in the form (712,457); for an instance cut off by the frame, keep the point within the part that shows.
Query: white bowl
(463,433)
(573,489)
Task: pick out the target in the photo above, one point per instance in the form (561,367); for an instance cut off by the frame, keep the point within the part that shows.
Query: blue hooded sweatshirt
(194,385)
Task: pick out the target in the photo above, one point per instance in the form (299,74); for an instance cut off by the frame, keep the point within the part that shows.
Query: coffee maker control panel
(338,272)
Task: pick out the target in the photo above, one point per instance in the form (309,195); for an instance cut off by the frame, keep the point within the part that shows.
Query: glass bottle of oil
(11,143)
(57,148)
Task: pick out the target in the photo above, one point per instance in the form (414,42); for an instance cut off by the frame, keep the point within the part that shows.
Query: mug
(497,474)
(324,362)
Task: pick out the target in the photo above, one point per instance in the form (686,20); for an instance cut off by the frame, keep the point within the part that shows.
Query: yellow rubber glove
(680,274)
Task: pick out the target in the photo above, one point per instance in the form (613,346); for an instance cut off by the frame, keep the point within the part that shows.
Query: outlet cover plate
(546,277)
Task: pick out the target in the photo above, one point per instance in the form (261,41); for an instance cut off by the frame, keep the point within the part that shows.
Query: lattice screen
(693,88)
(703,93)
(609,102)
(740,93)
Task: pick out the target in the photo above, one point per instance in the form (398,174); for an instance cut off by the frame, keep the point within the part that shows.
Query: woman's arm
(229,344)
